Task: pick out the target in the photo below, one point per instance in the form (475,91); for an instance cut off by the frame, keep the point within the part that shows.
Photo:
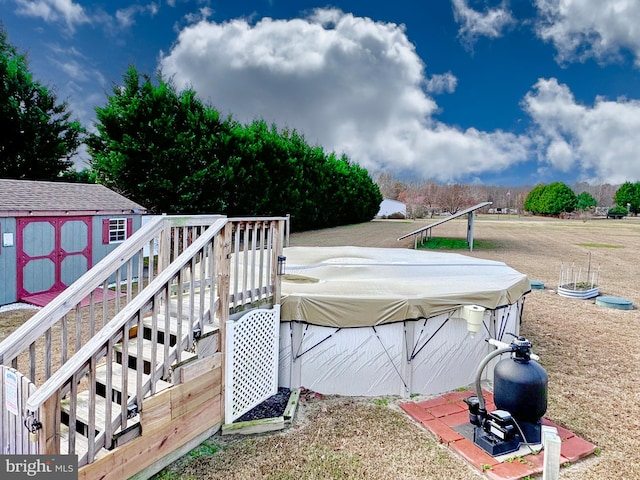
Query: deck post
(278,240)
(223,268)
(164,248)
(49,434)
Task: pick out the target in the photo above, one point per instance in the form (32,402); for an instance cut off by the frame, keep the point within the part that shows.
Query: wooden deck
(144,380)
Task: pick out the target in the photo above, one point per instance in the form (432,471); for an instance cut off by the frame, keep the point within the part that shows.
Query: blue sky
(513,92)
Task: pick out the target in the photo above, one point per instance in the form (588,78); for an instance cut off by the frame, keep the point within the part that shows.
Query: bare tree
(429,192)
(603,193)
(454,197)
(413,198)
(389,186)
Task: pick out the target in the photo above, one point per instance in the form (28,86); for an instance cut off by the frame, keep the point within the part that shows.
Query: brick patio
(443,415)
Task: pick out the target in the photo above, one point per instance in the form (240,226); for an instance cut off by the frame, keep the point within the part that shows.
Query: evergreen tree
(552,199)
(586,201)
(160,148)
(171,153)
(37,137)
(628,196)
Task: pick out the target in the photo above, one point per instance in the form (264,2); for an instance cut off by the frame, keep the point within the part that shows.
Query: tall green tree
(629,195)
(278,172)
(533,202)
(37,136)
(585,201)
(559,198)
(160,148)
(171,153)
(552,199)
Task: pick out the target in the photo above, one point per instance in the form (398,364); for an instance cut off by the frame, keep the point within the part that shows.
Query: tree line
(423,198)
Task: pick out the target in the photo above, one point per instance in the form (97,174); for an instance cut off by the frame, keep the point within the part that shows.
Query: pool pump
(520,396)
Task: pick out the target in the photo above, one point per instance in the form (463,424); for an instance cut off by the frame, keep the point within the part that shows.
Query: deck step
(147,354)
(83,401)
(207,329)
(186,305)
(82,444)
(116,382)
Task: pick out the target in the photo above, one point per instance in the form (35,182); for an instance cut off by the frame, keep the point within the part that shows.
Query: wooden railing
(48,339)
(207,267)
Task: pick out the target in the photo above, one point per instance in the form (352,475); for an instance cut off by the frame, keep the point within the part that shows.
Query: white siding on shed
(389,207)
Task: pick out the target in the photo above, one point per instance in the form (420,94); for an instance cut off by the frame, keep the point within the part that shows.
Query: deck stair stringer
(152,356)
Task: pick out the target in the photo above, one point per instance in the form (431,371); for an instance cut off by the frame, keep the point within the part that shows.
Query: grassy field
(591,354)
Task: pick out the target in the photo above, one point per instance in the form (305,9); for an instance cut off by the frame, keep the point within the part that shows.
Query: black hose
(524,439)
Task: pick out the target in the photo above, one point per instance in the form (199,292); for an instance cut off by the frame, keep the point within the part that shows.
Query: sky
(487,92)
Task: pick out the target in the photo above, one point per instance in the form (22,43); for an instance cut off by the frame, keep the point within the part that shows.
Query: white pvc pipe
(499,344)
(551,469)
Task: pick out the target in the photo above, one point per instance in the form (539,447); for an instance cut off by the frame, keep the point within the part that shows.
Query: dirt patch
(12,319)
(337,438)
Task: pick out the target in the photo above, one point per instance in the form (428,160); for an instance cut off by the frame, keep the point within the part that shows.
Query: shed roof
(30,197)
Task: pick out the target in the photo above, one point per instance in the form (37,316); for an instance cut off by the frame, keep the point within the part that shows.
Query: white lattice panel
(251,372)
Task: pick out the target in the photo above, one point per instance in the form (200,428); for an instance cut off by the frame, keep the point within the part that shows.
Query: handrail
(94,345)
(119,262)
(36,326)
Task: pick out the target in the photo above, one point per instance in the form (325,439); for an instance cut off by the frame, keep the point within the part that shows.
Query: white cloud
(600,142)
(71,51)
(73,69)
(582,29)
(79,81)
(202,14)
(75,65)
(440,83)
(350,84)
(474,24)
(126,16)
(54,11)
(74,14)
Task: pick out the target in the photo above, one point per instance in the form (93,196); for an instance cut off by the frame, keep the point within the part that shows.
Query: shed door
(52,253)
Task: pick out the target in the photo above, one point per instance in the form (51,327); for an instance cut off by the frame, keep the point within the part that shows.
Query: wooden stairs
(92,408)
(145,368)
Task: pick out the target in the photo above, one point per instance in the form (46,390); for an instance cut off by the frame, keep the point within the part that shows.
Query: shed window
(116,230)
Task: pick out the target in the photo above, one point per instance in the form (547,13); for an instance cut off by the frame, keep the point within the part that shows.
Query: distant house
(53,232)
(389,207)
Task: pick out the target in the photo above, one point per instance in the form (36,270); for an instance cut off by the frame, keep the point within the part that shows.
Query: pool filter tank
(520,396)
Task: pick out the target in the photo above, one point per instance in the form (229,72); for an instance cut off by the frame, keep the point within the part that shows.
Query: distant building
(390,208)
(503,210)
(53,232)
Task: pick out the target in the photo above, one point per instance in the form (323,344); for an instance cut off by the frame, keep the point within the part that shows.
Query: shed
(53,232)
(390,207)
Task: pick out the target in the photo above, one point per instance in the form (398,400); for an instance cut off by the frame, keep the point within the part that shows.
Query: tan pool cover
(359,286)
